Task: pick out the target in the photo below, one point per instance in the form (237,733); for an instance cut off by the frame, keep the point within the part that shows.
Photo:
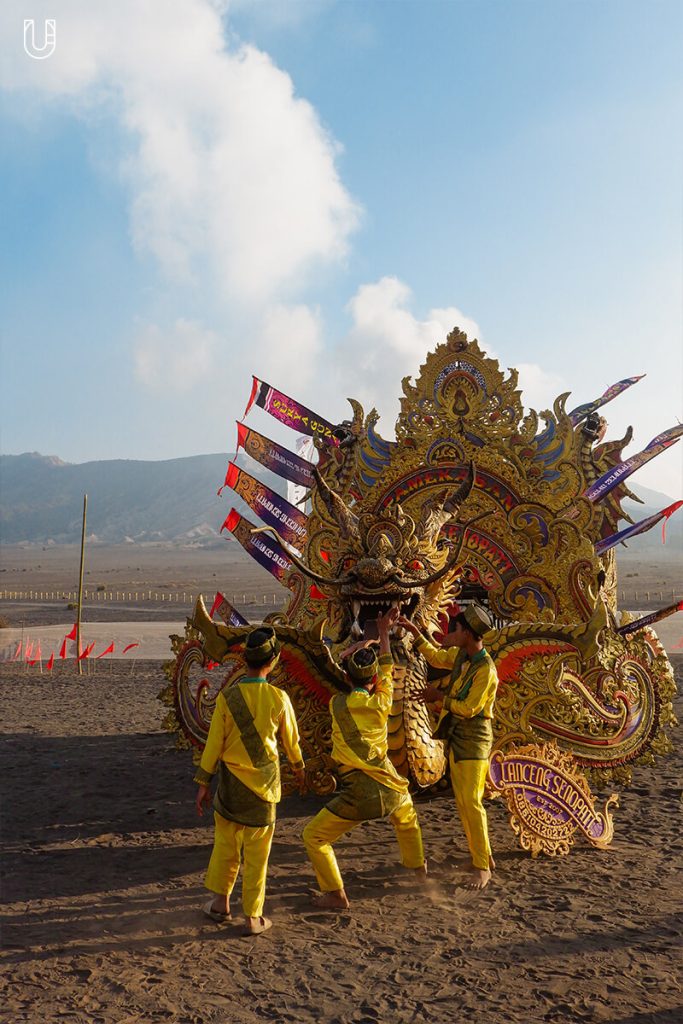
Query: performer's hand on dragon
(430,695)
(203,797)
(356,647)
(386,621)
(406,624)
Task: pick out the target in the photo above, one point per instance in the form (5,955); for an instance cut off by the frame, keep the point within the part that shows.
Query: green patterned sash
(234,800)
(351,732)
(361,798)
(469,739)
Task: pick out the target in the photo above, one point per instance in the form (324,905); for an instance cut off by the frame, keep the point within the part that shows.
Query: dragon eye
(348,563)
(416,564)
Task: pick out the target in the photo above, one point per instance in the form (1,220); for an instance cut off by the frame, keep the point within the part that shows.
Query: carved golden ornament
(548,799)
(522,541)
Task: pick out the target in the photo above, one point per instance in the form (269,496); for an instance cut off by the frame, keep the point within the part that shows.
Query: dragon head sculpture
(388,559)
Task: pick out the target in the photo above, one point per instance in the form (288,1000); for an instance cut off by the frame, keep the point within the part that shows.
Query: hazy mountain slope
(41,498)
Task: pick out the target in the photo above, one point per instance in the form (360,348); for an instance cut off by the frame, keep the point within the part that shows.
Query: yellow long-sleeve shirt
(273,717)
(369,714)
(482,693)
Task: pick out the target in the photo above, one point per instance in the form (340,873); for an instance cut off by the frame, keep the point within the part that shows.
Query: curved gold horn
(450,564)
(453,503)
(337,507)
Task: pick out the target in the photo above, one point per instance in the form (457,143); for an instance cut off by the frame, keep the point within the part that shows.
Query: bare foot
(421,872)
(256,925)
(465,864)
(480,878)
(336,900)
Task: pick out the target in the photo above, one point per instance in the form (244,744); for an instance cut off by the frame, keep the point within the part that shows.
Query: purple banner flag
(268,553)
(672,434)
(269,506)
(274,457)
(289,411)
(632,531)
(228,613)
(649,620)
(582,411)
(609,480)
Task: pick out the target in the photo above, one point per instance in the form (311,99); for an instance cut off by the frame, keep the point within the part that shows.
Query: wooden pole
(80,589)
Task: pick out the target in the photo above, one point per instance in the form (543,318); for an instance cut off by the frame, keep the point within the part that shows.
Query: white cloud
(175,359)
(288,351)
(230,173)
(386,343)
(539,387)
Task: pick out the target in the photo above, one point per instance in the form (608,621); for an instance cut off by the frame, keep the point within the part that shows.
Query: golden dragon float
(474,500)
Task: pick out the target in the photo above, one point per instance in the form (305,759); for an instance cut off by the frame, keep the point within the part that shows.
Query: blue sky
(317,192)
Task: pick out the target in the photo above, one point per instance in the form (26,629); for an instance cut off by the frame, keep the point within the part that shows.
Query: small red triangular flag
(108,650)
(72,634)
(50,662)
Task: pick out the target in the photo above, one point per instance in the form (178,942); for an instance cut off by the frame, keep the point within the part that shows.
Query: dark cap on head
(477,619)
(262,646)
(362,665)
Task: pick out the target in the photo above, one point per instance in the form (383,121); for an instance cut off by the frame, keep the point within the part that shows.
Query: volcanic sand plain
(103,861)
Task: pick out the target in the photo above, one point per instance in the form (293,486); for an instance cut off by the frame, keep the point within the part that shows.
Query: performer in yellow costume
(247,722)
(465,722)
(370,785)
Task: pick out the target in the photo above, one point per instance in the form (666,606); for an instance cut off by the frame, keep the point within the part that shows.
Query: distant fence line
(182,597)
(172,597)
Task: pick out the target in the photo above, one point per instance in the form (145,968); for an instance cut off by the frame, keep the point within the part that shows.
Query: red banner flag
(270,506)
(28,650)
(290,412)
(62,649)
(274,457)
(228,613)
(50,662)
(87,652)
(266,551)
(18,651)
(636,528)
(130,647)
(73,633)
(649,620)
(109,650)
(36,657)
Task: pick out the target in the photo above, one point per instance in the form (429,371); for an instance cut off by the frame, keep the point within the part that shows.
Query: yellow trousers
(468,779)
(231,843)
(326,828)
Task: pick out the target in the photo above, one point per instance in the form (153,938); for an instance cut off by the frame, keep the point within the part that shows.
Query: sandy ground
(103,864)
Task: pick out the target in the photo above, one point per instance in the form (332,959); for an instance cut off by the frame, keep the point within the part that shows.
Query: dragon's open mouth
(365,608)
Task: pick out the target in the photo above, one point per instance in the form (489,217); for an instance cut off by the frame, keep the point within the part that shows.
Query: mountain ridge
(143,501)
